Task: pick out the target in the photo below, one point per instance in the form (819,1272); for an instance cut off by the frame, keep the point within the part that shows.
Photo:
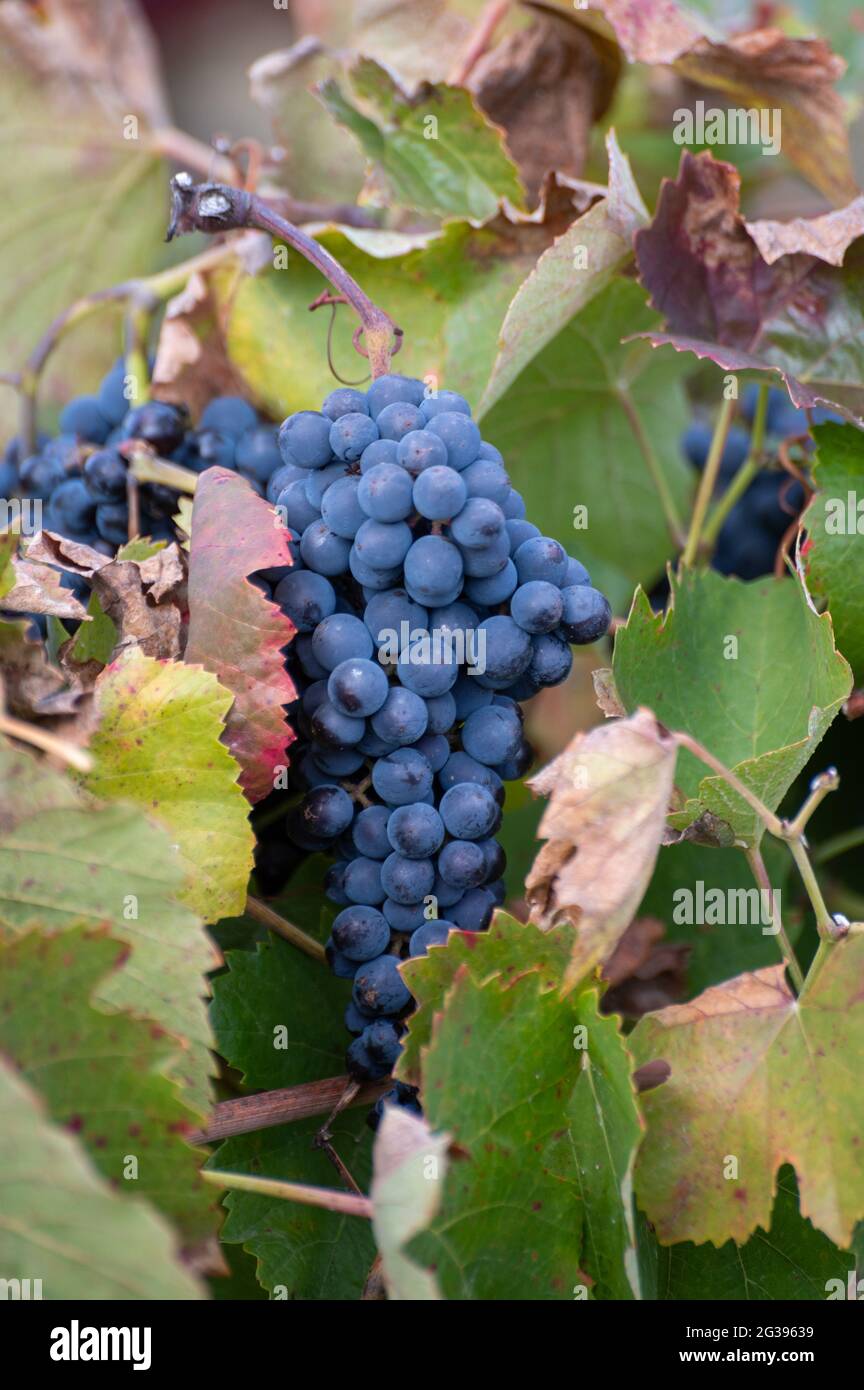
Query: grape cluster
(749,538)
(427,608)
(80,475)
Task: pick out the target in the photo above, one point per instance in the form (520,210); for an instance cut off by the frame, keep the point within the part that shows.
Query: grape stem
(217,207)
(760,873)
(60,748)
(348,1203)
(264,914)
(708,481)
(745,475)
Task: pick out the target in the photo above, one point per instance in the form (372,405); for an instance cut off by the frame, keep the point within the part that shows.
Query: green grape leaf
(234,631)
(65,861)
(278,1017)
(302,1252)
(434,152)
(587,397)
(59,1231)
(732,641)
(104,1076)
(158,746)
(574,270)
(758,1078)
(833,553)
(410,1164)
(788,1260)
(80,97)
(553,1098)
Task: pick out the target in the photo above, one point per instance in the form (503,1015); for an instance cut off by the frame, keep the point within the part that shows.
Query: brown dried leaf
(828,237)
(37,590)
(644,972)
(609,795)
(70,555)
(192,363)
(607,697)
(546,85)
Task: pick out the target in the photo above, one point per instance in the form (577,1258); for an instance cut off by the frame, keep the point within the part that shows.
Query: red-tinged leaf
(798,317)
(234,631)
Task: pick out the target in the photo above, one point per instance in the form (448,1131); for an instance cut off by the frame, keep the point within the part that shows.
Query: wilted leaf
(36,589)
(800,317)
(410,1165)
(828,237)
(73,77)
(234,631)
(834,551)
(546,85)
(455,167)
(65,862)
(157,745)
(733,640)
(192,365)
(609,793)
(104,1076)
(568,275)
(76,1227)
(644,972)
(764,1079)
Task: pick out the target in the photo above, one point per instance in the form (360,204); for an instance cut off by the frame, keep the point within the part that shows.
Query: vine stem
(760,873)
(217,207)
(658,477)
(792,832)
(144,294)
(262,913)
(348,1203)
(745,475)
(76,757)
(247,1114)
(708,481)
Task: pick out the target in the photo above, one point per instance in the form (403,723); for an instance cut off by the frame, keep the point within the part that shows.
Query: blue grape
(434,747)
(433,933)
(338,762)
(439,493)
(441,712)
(433,571)
(390,389)
(402,777)
(378,985)
(487,478)
(474,910)
(334,728)
(551,661)
(541,558)
(111,396)
(469,696)
(507,649)
(257,455)
(112,522)
(361,933)
(386,612)
(327,811)
(491,735)
(307,598)
(418,670)
(402,718)
(461,864)
(404,917)
(229,415)
(344,401)
(419,450)
(460,435)
(469,811)
(351,434)
(382,545)
(380,451)
(537,606)
(105,474)
(84,418)
(362,882)
(514,508)
(384,493)
(317,480)
(576,574)
(158,423)
(370,832)
(295,509)
(304,439)
(339,637)
(73,507)
(444,401)
(495,589)
(343,968)
(398,419)
(461,767)
(587,614)
(341,509)
(358,687)
(415,831)
(322,550)
(519,530)
(407,880)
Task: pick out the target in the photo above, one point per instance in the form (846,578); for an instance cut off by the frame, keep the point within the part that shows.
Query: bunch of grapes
(80,476)
(427,608)
(749,538)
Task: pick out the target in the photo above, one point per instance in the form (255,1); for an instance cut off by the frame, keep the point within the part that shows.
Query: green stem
(760,873)
(148,469)
(139,315)
(262,913)
(824,920)
(348,1203)
(838,844)
(658,477)
(772,822)
(745,475)
(708,481)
